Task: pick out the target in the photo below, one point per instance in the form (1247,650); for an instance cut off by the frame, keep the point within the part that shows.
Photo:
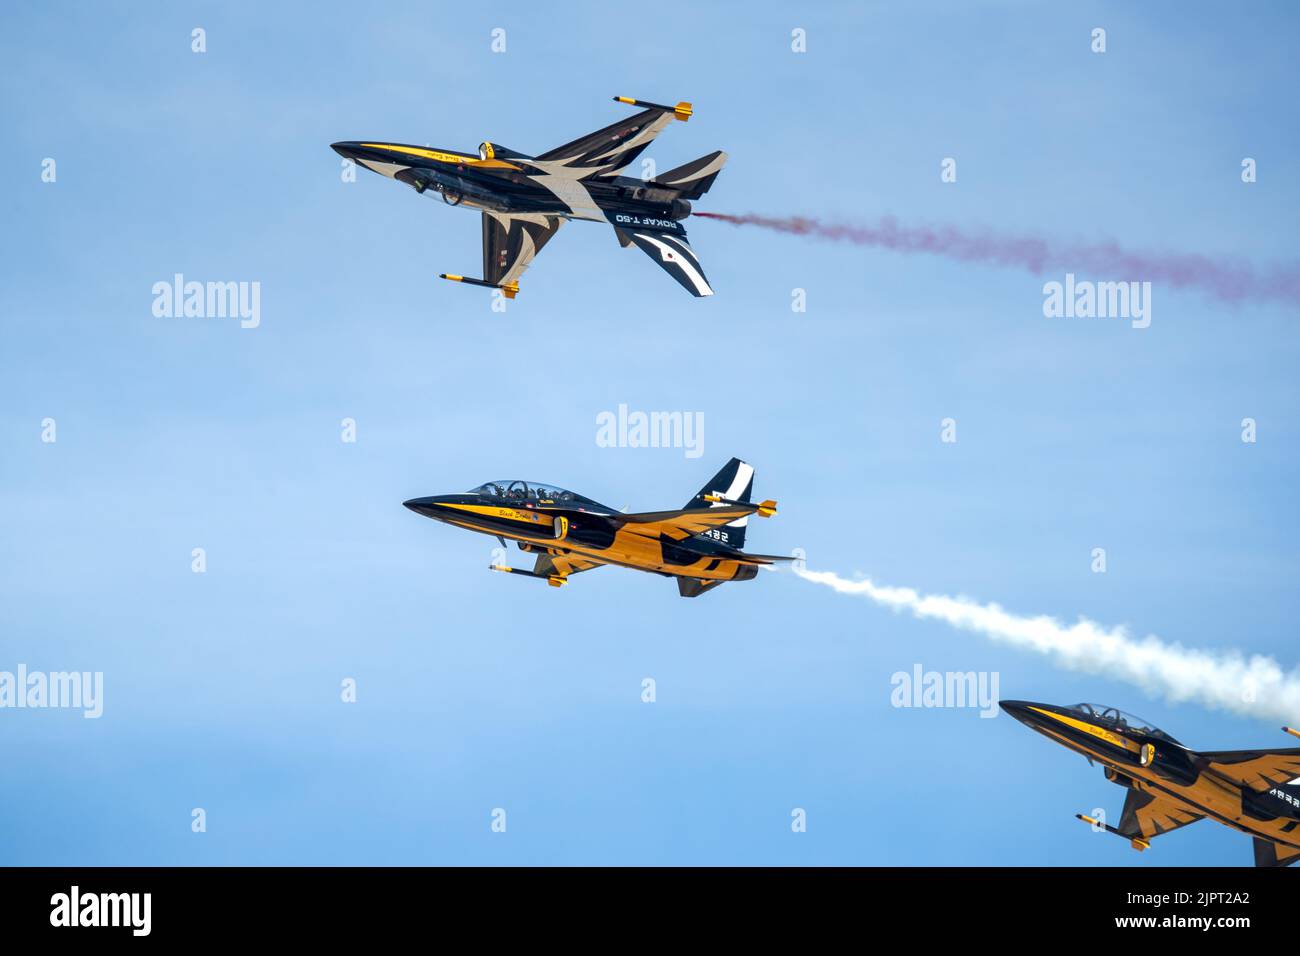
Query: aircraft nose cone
(1018,709)
(347,150)
(422,506)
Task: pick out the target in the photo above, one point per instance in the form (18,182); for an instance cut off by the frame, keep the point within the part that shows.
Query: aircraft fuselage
(520,185)
(587,533)
(1171,771)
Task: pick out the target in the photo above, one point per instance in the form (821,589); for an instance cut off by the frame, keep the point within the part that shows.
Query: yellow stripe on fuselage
(510,514)
(454,158)
(1088,728)
(1209,794)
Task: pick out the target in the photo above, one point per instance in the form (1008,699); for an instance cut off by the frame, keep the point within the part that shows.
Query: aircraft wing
(1257,769)
(511,242)
(1147,815)
(671,252)
(563,564)
(608,150)
(680,525)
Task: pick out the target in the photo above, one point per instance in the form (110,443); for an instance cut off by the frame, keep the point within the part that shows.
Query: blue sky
(478,690)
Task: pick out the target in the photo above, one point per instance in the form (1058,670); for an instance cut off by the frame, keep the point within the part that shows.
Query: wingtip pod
(510,289)
(682,111)
(1292,731)
(765,508)
(554,580)
(1137,842)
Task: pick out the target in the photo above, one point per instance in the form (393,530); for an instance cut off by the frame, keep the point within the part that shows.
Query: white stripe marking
(744,475)
(668,254)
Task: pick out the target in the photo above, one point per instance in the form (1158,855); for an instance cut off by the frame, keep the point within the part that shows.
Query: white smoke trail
(1253,687)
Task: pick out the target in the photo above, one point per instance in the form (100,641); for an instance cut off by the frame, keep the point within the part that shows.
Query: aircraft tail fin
(693,179)
(734,482)
(1268,853)
(670,250)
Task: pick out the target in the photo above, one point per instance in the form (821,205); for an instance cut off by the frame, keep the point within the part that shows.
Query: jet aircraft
(525,199)
(699,544)
(1170,786)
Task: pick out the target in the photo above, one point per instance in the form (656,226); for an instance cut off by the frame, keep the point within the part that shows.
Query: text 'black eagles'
(525,199)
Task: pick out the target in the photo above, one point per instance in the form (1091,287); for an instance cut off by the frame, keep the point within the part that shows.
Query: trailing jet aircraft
(525,199)
(1170,786)
(699,544)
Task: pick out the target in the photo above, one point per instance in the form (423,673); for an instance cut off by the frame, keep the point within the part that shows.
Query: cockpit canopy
(497,151)
(1114,717)
(535,491)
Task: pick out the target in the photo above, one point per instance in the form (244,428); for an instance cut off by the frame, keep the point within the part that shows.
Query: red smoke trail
(1222,278)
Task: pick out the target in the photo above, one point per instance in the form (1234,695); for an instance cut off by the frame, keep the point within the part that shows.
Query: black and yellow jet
(699,544)
(525,199)
(1170,786)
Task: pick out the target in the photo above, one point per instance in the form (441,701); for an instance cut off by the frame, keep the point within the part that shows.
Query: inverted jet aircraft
(699,544)
(1170,786)
(525,199)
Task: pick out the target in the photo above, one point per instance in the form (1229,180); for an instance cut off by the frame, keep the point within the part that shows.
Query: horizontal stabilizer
(693,179)
(746,558)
